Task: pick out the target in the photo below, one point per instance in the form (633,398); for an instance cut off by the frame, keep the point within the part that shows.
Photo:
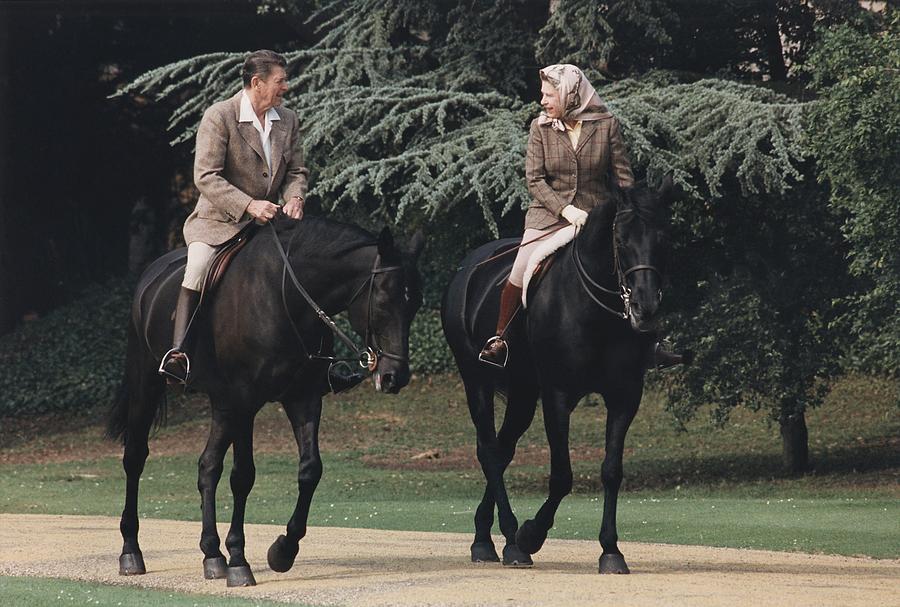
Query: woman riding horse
(574,149)
(248,161)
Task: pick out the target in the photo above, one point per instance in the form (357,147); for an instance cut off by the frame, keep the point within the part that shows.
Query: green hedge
(71,359)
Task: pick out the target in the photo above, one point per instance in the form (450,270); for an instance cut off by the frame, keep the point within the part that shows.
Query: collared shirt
(248,115)
(574,133)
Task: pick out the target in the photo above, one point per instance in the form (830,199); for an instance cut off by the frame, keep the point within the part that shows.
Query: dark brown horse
(587,329)
(257,341)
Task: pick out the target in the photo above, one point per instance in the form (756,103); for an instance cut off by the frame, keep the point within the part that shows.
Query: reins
(624,291)
(368,355)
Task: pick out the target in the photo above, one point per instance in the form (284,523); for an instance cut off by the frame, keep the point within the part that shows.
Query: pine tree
(417,112)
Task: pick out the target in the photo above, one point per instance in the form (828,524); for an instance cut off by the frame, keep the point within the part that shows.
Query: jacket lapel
(588,127)
(251,136)
(277,139)
(563,140)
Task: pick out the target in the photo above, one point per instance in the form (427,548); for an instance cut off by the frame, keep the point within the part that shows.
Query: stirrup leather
(187,366)
(500,365)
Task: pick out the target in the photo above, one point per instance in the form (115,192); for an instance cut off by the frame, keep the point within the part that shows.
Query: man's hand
(294,208)
(262,210)
(574,215)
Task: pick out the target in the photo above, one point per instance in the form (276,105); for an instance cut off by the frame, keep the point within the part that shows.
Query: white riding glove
(574,215)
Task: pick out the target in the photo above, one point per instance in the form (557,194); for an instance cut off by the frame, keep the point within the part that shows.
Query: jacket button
(265,174)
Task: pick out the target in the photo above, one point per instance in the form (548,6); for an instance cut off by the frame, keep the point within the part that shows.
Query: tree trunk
(795,442)
(771,37)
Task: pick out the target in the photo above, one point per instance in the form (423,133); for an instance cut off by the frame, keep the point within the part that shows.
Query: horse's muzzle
(642,320)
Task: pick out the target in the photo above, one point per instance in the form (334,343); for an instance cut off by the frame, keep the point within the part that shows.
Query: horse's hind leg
(480,396)
(243,475)
(209,473)
(557,407)
(520,407)
(304,415)
(144,389)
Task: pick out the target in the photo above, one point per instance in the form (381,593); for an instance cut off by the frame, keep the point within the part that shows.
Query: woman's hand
(294,208)
(262,210)
(574,215)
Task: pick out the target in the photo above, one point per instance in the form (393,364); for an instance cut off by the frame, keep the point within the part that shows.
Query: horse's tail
(131,395)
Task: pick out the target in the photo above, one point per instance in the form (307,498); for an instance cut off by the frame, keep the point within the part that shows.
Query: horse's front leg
(304,414)
(621,410)
(209,473)
(243,475)
(557,407)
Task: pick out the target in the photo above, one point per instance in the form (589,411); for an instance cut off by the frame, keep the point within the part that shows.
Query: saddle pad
(546,247)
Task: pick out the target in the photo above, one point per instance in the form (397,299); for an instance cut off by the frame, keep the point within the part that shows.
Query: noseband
(624,291)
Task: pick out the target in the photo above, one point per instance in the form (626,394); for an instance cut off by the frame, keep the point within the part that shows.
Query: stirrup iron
(187,367)
(499,365)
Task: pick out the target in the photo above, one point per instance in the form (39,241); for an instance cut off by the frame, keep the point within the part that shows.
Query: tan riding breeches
(517,276)
(200,256)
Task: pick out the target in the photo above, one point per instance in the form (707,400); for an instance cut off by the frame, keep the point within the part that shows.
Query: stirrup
(171,376)
(499,365)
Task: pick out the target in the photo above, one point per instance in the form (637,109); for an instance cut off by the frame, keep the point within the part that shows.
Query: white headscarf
(579,99)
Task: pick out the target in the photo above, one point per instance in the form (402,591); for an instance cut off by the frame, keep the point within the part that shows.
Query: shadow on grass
(874,463)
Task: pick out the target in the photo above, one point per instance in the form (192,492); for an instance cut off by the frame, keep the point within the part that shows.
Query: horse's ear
(416,244)
(667,190)
(385,241)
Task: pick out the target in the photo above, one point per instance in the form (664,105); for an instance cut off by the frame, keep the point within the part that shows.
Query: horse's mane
(645,201)
(329,238)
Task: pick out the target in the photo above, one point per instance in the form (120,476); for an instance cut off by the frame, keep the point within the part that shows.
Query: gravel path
(361,567)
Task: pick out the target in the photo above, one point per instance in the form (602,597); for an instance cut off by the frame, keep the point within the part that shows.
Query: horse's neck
(595,250)
(333,280)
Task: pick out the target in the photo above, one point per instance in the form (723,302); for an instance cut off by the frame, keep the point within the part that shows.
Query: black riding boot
(659,358)
(175,365)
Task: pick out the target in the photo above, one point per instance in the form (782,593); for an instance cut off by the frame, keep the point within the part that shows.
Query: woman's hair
(260,63)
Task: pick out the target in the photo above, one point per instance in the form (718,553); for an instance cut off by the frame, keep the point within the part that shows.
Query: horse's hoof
(613,563)
(514,557)
(215,568)
(484,552)
(132,564)
(529,538)
(240,576)
(281,554)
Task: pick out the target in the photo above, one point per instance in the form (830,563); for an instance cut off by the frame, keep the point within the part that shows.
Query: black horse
(587,329)
(258,340)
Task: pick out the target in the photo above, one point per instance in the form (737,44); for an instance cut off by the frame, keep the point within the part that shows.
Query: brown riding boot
(495,351)
(175,365)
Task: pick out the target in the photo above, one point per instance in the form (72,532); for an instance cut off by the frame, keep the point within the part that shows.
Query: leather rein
(368,355)
(624,291)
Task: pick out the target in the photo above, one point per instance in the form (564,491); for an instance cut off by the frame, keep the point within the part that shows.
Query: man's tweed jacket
(230,170)
(558,175)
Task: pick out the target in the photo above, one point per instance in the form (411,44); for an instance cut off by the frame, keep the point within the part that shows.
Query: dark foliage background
(777,119)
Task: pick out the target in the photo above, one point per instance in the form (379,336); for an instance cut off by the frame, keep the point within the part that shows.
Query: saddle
(226,253)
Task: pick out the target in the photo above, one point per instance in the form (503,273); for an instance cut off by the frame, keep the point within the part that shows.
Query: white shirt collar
(248,115)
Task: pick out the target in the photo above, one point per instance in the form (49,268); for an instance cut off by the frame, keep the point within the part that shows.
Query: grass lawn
(407,462)
(40,592)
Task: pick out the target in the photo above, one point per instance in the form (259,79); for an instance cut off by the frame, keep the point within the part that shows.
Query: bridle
(373,350)
(624,291)
(368,355)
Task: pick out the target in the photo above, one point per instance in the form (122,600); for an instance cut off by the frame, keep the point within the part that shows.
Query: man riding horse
(248,162)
